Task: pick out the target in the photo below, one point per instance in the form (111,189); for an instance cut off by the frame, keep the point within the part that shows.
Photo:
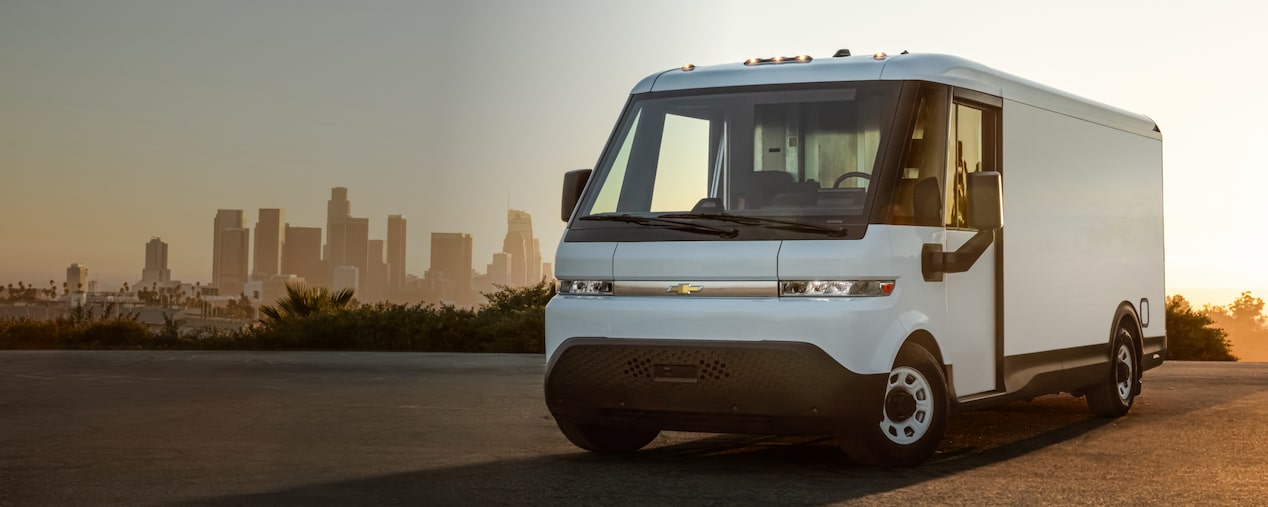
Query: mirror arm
(934,262)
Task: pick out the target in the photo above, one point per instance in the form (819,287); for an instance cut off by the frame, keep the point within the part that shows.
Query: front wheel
(913,414)
(1114,397)
(604,439)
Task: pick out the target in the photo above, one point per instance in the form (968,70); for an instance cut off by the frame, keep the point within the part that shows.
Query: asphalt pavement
(320,428)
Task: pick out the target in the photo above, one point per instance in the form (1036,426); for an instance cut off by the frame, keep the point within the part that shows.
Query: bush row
(512,321)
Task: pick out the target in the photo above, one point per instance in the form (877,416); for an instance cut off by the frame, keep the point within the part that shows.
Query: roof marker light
(880,55)
(688,67)
(778,59)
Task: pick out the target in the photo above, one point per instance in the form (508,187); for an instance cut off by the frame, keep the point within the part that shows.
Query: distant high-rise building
(451,262)
(499,270)
(301,255)
(350,245)
(77,278)
(270,234)
(346,237)
(155,263)
(345,277)
(338,210)
(375,279)
(230,252)
(525,252)
(534,263)
(395,253)
(548,271)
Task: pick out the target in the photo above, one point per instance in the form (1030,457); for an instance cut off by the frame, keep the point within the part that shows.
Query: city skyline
(129,120)
(245,254)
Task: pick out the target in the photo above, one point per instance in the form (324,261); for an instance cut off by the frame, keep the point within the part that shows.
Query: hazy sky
(123,120)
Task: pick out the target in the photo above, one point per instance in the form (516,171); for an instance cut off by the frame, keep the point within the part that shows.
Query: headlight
(822,288)
(585,287)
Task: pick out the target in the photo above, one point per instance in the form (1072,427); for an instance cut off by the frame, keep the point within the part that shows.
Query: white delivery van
(854,246)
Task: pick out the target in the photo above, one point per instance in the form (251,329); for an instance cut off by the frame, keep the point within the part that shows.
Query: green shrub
(112,334)
(513,321)
(1190,336)
(28,334)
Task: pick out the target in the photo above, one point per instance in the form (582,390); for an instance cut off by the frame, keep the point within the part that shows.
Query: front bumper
(757,387)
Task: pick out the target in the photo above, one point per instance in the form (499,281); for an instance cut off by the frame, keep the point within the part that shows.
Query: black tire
(1114,397)
(603,439)
(913,414)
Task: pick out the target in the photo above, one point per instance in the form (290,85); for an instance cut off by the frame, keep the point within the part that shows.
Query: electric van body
(853,246)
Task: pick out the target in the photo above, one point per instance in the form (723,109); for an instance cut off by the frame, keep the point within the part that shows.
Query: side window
(970,148)
(918,196)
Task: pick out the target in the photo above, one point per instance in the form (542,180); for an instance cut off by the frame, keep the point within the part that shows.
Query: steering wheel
(854,174)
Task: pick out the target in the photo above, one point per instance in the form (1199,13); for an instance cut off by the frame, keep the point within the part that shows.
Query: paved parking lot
(308,428)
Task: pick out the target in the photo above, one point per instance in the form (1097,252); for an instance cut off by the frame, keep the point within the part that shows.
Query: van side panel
(1082,230)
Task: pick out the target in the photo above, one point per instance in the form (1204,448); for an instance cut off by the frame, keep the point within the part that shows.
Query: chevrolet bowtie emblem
(684,289)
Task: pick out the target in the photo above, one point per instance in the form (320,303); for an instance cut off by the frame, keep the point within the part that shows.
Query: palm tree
(305,302)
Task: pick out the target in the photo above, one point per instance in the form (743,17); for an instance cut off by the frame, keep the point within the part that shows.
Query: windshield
(802,154)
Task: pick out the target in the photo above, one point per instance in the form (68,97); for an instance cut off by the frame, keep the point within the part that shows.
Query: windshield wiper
(750,220)
(687,226)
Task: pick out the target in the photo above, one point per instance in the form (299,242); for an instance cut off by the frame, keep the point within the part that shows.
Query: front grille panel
(634,365)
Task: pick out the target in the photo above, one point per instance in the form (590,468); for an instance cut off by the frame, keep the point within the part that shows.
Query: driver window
(918,195)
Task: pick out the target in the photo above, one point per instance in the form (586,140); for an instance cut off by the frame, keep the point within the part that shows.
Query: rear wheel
(1115,396)
(603,439)
(913,414)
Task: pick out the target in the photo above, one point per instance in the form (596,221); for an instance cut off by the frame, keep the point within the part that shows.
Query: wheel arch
(924,338)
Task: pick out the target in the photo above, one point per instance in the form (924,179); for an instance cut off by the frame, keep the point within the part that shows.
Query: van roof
(946,69)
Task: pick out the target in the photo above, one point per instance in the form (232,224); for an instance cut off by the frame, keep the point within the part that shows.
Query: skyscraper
(375,286)
(301,255)
(338,209)
(346,237)
(77,278)
(451,265)
(270,234)
(499,270)
(155,263)
(395,253)
(230,247)
(525,252)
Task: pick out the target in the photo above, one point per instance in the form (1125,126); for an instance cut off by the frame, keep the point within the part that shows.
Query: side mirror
(574,183)
(985,201)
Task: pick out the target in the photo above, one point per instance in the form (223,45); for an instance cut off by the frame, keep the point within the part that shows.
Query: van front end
(760,365)
(748,257)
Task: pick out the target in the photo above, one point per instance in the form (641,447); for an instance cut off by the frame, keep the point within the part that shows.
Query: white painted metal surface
(1082,229)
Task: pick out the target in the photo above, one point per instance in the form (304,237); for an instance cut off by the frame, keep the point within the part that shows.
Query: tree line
(512,320)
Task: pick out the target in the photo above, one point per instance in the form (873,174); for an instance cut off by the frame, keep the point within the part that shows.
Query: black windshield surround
(812,133)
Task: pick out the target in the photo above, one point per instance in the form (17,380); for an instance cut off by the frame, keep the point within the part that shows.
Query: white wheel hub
(1124,372)
(908,410)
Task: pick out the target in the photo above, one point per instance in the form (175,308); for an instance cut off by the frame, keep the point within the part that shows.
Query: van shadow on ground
(723,469)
